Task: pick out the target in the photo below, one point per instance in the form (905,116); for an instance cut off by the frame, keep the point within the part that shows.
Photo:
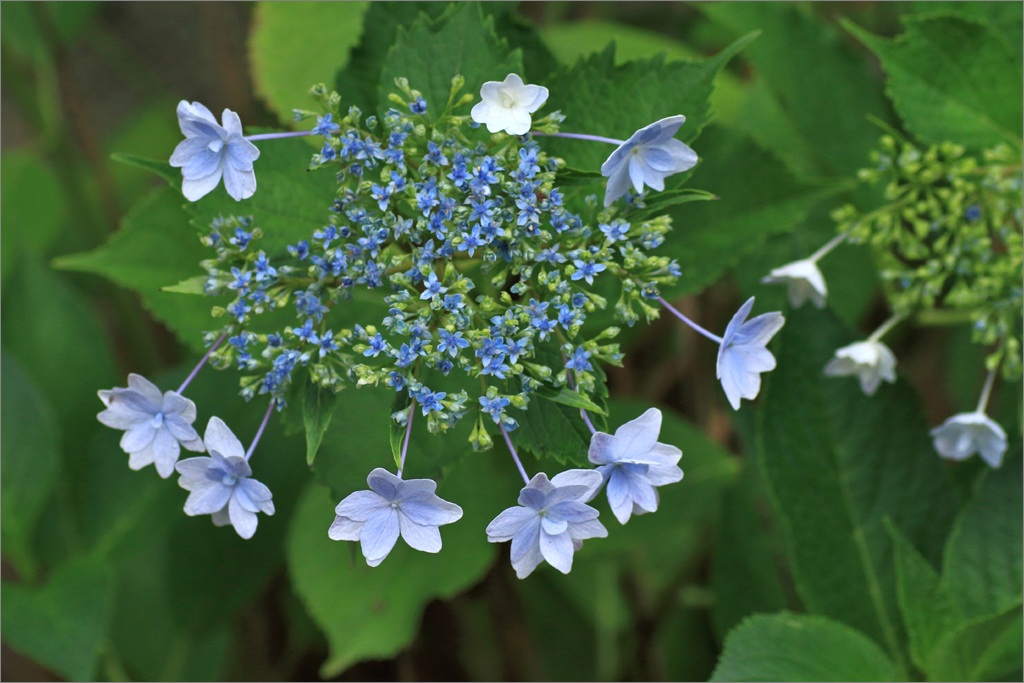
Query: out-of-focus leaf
(283,68)
(31,207)
(31,458)
(953,79)
(62,624)
(429,53)
(812,112)
(838,463)
(982,562)
(986,649)
(317,409)
(792,647)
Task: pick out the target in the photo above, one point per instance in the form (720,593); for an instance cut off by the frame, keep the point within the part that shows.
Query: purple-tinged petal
(419,537)
(345,529)
(557,550)
(379,535)
(244,521)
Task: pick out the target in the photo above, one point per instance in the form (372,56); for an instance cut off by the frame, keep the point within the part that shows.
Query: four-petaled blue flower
(155,425)
(432,287)
(551,521)
(220,485)
(393,507)
(648,157)
(742,355)
(633,463)
(211,151)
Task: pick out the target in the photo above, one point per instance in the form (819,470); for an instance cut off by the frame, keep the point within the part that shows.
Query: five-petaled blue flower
(211,151)
(551,521)
(220,485)
(633,463)
(742,355)
(155,425)
(393,507)
(648,157)
(325,126)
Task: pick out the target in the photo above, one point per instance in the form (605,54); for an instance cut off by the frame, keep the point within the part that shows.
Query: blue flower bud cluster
(484,266)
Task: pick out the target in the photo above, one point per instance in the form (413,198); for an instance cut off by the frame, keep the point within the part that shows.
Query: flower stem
(259,432)
(694,326)
(828,246)
(885,327)
(405,441)
(276,136)
(515,456)
(579,136)
(201,363)
(583,412)
(986,391)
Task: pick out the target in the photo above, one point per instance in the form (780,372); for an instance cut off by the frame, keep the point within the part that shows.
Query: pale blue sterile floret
(551,521)
(648,157)
(211,151)
(871,360)
(155,425)
(507,105)
(965,434)
(221,485)
(393,507)
(633,463)
(742,355)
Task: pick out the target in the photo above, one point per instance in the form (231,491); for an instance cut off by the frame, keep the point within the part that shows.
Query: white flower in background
(803,281)
(507,105)
(211,151)
(220,485)
(871,360)
(965,434)
(648,157)
(155,425)
(633,463)
(742,355)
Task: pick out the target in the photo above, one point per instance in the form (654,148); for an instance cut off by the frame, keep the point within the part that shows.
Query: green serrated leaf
(396,432)
(800,647)
(591,96)
(660,202)
(837,464)
(430,52)
(982,561)
(952,79)
(283,69)
(62,624)
(317,410)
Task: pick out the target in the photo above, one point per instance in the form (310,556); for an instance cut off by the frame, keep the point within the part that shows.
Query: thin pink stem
(259,432)
(515,456)
(202,362)
(694,326)
(405,441)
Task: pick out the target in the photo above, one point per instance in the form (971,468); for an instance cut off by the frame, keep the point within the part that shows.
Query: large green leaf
(62,624)
(791,647)
(373,612)
(284,68)
(811,111)
(838,463)
(600,98)
(31,458)
(953,79)
(431,52)
(982,563)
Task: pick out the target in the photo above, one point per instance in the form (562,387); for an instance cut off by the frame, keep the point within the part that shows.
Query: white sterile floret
(211,151)
(633,463)
(648,157)
(965,434)
(393,507)
(220,485)
(803,280)
(551,521)
(742,355)
(507,105)
(155,425)
(872,362)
